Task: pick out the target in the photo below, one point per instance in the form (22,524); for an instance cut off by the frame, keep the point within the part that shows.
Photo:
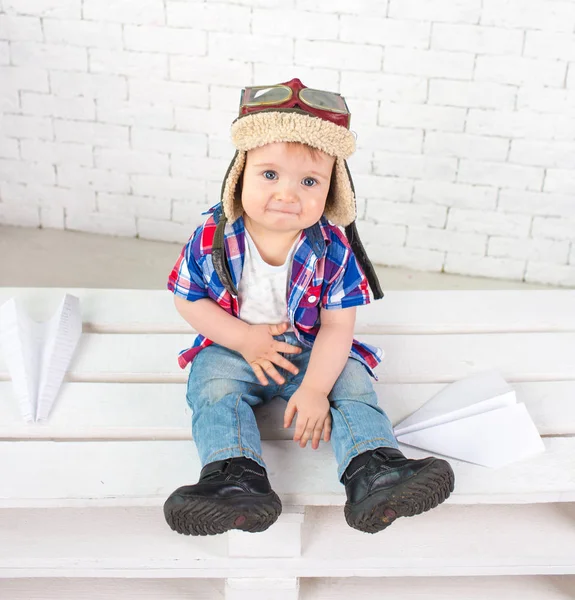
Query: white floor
(55,258)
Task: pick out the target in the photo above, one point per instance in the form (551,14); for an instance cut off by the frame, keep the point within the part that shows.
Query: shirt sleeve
(186,279)
(349,286)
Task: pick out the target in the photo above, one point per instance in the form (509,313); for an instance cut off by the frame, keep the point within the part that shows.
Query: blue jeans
(222,390)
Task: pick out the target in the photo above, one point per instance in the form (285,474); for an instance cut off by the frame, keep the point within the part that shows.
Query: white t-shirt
(263,287)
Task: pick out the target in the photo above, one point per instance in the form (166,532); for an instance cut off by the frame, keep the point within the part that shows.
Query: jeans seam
(347,423)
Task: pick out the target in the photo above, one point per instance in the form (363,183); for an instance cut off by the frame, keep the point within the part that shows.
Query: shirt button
(311,299)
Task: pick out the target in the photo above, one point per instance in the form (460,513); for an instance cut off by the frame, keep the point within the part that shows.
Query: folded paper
(39,354)
(477,420)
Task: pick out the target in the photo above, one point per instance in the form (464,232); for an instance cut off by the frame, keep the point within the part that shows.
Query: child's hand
(261,352)
(313,416)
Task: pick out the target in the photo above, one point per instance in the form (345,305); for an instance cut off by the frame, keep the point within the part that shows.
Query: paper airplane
(477,420)
(38,354)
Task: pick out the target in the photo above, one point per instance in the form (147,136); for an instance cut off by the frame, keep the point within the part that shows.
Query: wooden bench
(81,495)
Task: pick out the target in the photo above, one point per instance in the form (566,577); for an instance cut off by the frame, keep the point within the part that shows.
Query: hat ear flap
(231,188)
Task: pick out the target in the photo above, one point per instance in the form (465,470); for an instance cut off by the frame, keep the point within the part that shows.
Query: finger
(259,373)
(289,414)
(280,361)
(307,435)
(300,426)
(278,329)
(272,371)
(317,431)
(287,348)
(327,431)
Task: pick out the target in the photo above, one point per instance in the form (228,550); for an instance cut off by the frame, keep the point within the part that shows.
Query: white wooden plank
(409,358)
(145,473)
(531,587)
(159,410)
(262,588)
(399,312)
(448,541)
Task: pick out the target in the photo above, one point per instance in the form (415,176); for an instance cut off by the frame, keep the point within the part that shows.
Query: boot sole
(211,516)
(424,491)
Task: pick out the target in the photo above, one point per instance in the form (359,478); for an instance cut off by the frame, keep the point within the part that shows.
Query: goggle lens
(258,96)
(323,100)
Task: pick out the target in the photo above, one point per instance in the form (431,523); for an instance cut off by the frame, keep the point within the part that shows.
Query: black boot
(382,485)
(231,494)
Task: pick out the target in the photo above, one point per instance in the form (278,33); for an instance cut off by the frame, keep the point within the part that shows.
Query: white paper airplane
(38,354)
(477,420)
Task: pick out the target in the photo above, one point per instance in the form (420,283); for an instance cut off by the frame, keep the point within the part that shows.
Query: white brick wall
(115,118)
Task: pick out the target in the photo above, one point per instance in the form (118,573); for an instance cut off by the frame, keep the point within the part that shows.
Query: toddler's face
(284,187)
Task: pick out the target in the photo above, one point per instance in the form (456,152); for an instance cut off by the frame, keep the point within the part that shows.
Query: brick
(409,258)
(173,188)
(428,63)
(379,234)
(296,24)
(200,120)
(415,167)
(359,7)
(450,11)
(484,266)
(423,116)
(131,161)
(263,3)
(224,98)
(135,113)
(407,213)
(19,216)
(25,127)
(446,241)
(556,154)
(20,78)
(476,40)
(554,228)
(172,41)
(20,171)
(108,224)
(208,70)
(473,147)
(20,29)
(540,14)
(470,94)
(56,154)
(52,217)
(62,9)
(548,251)
(9,148)
(490,223)
(520,70)
(46,105)
(500,174)
(95,134)
(572,254)
(136,206)
(220,148)
(4,53)
(561,275)
(71,176)
(361,162)
(455,194)
(9,101)
(390,139)
(148,90)
(49,56)
(537,203)
(544,44)
(570,82)
(188,211)
(134,64)
(90,85)
(522,124)
(212,169)
(250,48)
(385,32)
(322,79)
(546,100)
(49,196)
(386,188)
(83,33)
(338,55)
(165,231)
(209,17)
(560,181)
(172,142)
(385,87)
(135,12)
(364,113)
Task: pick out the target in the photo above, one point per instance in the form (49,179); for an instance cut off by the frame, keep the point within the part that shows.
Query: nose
(287,192)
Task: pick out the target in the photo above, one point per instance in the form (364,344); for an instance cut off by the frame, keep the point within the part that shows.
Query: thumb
(278,329)
(289,414)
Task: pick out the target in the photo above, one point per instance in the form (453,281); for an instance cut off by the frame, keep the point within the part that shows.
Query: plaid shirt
(325,274)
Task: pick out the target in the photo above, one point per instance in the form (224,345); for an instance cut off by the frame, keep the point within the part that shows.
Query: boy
(268,277)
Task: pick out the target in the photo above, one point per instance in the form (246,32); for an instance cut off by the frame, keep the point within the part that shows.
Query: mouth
(284,209)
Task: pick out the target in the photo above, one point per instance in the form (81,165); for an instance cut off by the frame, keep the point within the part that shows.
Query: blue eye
(309,181)
(271,175)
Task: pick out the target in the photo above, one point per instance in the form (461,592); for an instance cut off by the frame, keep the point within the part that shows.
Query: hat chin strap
(361,255)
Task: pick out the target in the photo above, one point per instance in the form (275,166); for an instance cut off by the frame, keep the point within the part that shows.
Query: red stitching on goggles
(294,94)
